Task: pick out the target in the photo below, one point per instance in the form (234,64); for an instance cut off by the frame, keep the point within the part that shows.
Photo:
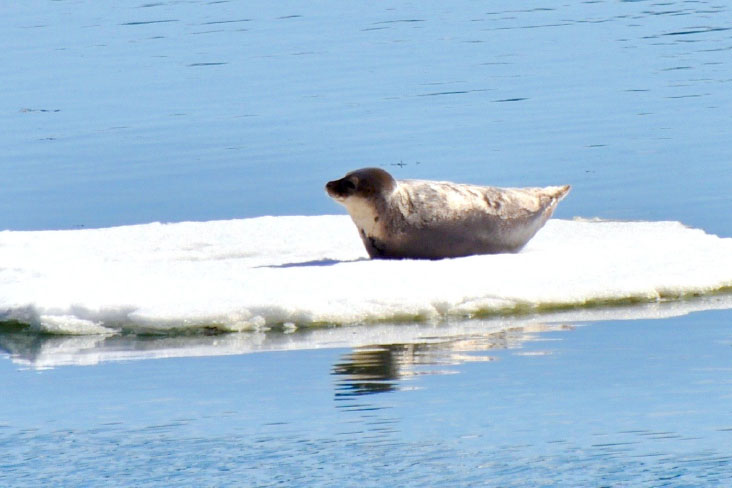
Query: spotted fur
(433,219)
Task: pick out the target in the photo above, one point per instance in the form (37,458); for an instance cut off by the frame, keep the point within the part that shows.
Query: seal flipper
(558,192)
(374,246)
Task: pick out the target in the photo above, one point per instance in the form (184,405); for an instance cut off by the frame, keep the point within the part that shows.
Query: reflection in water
(369,370)
(383,353)
(378,369)
(41,351)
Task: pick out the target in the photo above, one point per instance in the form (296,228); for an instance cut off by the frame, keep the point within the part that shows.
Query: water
(203,110)
(642,402)
(170,111)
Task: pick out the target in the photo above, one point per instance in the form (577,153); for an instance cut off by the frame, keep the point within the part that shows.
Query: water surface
(205,110)
(642,403)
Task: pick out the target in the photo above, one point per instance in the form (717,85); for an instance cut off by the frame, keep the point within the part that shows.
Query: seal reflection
(384,368)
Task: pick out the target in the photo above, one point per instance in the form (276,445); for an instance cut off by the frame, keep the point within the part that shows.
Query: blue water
(174,111)
(635,403)
(169,111)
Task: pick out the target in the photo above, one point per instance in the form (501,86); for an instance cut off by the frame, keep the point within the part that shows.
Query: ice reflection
(383,353)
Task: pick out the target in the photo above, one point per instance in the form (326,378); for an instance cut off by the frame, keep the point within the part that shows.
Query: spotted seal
(418,219)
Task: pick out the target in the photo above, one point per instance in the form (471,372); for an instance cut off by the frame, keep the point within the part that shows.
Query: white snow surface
(299,271)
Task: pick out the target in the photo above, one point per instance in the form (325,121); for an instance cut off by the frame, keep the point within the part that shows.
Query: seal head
(366,193)
(363,183)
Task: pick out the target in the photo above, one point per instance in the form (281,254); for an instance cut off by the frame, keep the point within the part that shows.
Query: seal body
(420,219)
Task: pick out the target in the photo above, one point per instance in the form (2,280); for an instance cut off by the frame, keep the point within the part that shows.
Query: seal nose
(342,188)
(330,187)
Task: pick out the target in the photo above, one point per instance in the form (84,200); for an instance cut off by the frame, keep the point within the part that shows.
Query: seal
(419,219)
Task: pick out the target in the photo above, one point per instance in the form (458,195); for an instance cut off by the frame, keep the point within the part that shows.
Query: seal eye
(349,185)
